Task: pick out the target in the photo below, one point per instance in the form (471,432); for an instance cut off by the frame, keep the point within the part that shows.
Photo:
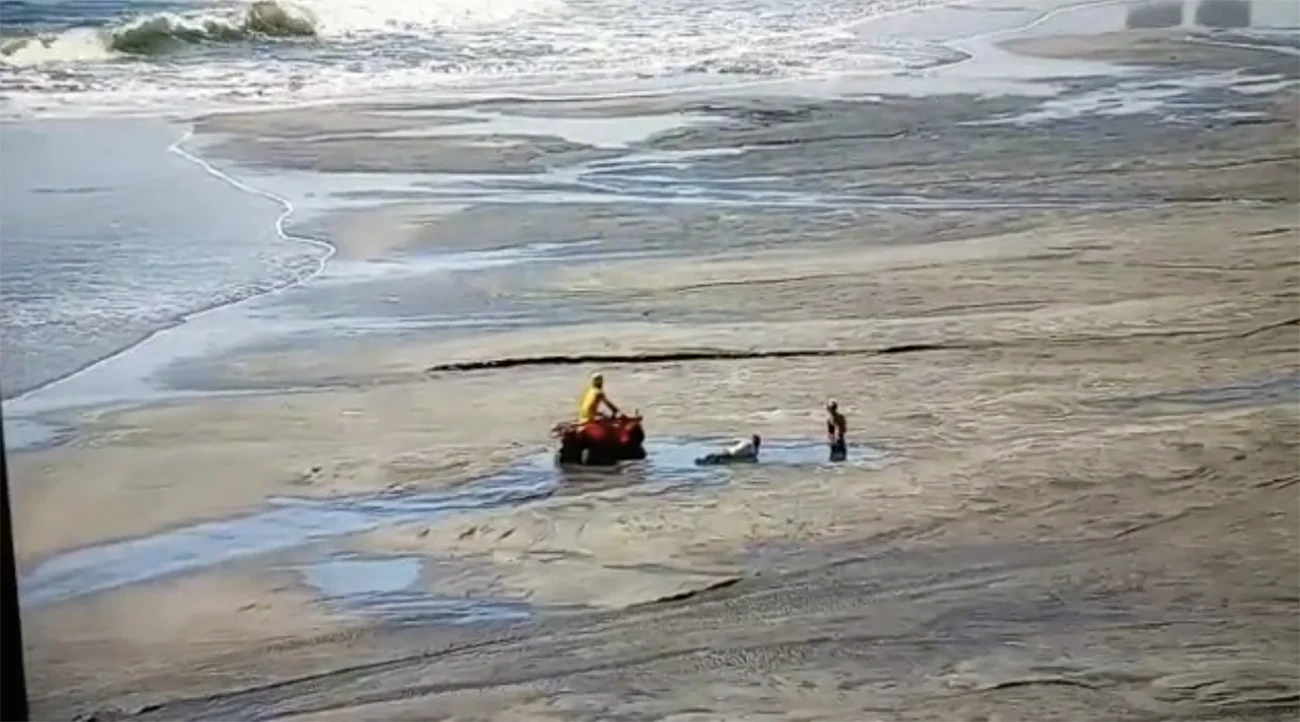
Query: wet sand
(1083,505)
(194,631)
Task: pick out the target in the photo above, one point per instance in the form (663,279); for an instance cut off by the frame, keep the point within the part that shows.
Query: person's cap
(597,377)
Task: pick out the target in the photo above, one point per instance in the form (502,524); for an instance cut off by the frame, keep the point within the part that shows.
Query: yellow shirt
(590,404)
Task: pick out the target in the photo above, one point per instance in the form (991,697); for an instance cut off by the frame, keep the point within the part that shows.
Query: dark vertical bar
(1223,14)
(13,673)
(1155,15)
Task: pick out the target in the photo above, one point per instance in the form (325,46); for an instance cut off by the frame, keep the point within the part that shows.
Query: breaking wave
(263,20)
(162,33)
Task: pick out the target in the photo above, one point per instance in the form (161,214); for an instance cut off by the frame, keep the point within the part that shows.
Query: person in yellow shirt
(589,408)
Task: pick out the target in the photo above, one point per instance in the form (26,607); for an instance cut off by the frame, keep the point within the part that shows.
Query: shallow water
(97,255)
(290,522)
(30,434)
(388,587)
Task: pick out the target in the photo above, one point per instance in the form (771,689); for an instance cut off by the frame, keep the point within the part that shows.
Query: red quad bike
(600,442)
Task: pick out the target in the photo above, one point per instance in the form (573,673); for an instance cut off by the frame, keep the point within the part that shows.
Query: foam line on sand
(287,211)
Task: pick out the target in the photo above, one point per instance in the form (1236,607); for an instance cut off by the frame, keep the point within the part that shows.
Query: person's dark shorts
(839,451)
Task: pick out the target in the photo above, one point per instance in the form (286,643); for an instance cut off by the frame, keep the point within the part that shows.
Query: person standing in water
(836,426)
(593,399)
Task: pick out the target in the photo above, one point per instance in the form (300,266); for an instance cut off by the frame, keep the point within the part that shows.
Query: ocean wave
(161,33)
(352,18)
(265,20)
(353,48)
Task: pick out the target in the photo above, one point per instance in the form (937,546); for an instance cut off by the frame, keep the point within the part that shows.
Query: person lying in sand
(742,450)
(593,399)
(836,425)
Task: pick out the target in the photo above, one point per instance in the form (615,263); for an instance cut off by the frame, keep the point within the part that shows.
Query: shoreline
(177,148)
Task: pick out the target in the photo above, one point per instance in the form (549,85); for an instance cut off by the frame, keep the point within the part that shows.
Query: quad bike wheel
(635,453)
(596,456)
(569,454)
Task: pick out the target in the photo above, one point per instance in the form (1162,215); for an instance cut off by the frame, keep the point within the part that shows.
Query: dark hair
(757,440)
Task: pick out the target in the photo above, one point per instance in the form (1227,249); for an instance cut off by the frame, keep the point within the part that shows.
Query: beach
(1059,309)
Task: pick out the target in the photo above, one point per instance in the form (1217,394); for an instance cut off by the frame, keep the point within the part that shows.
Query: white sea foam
(370,17)
(291,51)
